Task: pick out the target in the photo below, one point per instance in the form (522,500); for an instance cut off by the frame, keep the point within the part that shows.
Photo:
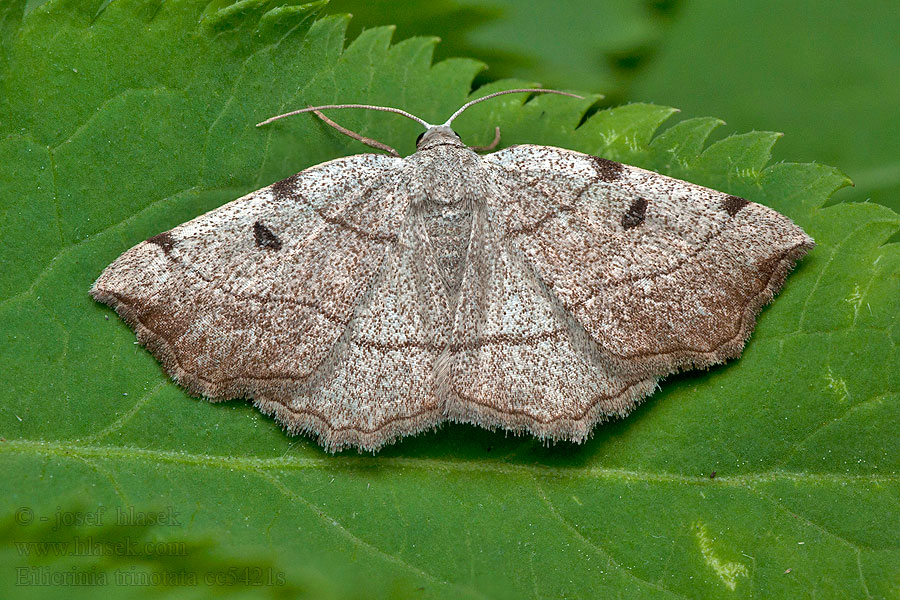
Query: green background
(121,119)
(823,73)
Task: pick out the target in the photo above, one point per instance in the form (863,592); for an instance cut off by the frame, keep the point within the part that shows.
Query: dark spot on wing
(732,204)
(265,238)
(608,170)
(634,216)
(285,188)
(163,240)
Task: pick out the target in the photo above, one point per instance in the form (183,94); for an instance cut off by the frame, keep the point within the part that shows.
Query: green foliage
(599,45)
(120,120)
(824,73)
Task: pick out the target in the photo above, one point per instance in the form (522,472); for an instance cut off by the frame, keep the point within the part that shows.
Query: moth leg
(367,141)
(490,146)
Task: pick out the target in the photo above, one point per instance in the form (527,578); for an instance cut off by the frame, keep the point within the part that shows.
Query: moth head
(438,135)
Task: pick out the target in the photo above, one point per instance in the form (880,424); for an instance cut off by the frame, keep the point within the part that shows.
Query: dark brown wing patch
(265,238)
(733,204)
(608,170)
(635,214)
(163,240)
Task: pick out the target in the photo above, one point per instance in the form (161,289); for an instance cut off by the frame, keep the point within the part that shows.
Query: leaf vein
(289,463)
(356,540)
(596,547)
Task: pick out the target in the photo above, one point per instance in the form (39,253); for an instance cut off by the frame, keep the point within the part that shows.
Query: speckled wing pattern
(518,359)
(360,302)
(270,296)
(587,280)
(660,273)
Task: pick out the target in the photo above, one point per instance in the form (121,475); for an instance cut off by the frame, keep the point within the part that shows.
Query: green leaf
(824,73)
(119,123)
(599,45)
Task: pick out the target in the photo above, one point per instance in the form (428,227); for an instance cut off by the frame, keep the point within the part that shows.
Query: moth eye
(419,139)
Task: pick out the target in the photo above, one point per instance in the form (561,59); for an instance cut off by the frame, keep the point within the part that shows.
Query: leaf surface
(599,45)
(823,73)
(121,120)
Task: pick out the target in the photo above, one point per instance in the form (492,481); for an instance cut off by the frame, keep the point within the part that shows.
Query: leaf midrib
(331,463)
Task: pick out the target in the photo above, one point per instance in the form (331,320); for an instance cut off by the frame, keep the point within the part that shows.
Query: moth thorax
(450,175)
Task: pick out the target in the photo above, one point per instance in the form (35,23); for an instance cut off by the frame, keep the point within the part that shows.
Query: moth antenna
(368,106)
(515,91)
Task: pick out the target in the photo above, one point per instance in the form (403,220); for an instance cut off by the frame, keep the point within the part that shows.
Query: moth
(534,289)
